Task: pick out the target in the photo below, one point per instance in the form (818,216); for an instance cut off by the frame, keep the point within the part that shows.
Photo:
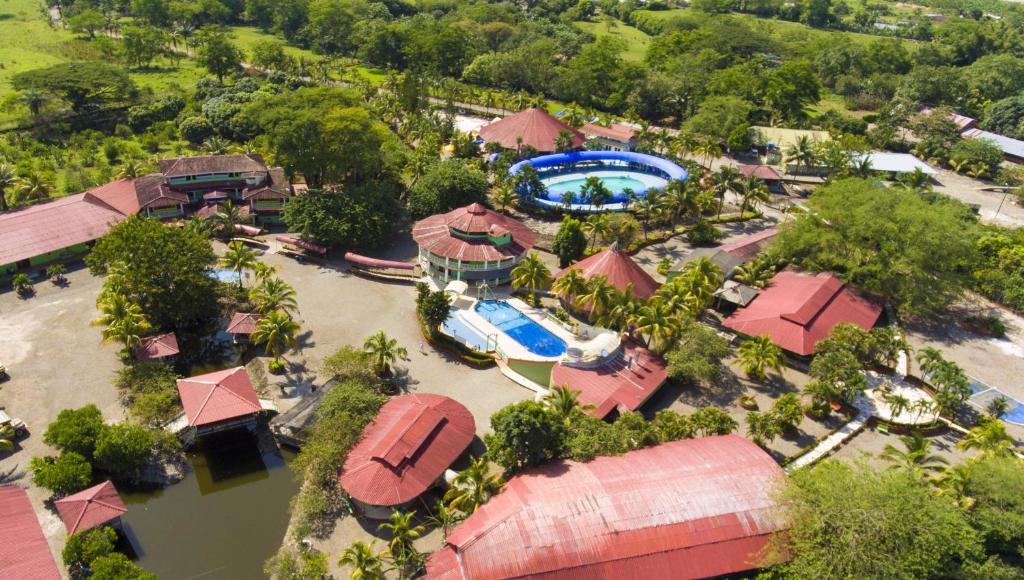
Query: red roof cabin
(405,451)
(618,268)
(531,127)
(796,310)
(768,175)
(89,508)
(161,346)
(24,553)
(620,384)
(219,401)
(697,508)
(242,325)
(472,244)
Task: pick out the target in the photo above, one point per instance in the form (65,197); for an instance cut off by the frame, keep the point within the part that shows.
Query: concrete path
(864,412)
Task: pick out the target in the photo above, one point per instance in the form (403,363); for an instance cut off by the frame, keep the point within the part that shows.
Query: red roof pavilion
(218,396)
(765,172)
(406,448)
(90,507)
(24,553)
(243,323)
(534,126)
(695,508)
(624,383)
(157,347)
(620,270)
(461,234)
(796,310)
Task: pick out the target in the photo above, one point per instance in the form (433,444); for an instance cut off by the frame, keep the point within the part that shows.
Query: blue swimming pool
(617,182)
(228,276)
(461,331)
(521,328)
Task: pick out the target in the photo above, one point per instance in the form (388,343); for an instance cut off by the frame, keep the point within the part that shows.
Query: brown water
(223,520)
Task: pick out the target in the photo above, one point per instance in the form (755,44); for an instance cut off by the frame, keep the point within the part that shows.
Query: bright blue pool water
(616,183)
(521,328)
(458,328)
(228,276)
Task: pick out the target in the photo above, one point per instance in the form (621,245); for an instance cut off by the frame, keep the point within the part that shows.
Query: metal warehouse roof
(55,225)
(24,554)
(796,310)
(620,270)
(90,507)
(406,448)
(895,162)
(1011,147)
(688,509)
(218,396)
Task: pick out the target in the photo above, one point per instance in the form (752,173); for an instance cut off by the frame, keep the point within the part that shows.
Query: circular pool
(623,174)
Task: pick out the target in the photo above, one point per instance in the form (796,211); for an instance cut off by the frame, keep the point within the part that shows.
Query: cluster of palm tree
(757,272)
(18,190)
(383,352)
(274,298)
(239,258)
(757,355)
(122,319)
(533,274)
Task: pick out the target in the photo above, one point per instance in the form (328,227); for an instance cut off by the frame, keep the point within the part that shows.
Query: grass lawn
(635,40)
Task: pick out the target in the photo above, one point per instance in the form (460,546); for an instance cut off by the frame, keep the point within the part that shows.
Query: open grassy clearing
(636,41)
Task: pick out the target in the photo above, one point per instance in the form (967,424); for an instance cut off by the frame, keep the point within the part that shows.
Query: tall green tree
(757,354)
(276,331)
(218,53)
(473,486)
(524,434)
(80,84)
(239,258)
(570,241)
(531,273)
(447,185)
(384,352)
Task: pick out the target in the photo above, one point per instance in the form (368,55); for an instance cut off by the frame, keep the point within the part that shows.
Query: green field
(636,41)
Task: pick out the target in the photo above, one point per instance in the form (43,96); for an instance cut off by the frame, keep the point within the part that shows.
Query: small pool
(617,182)
(464,332)
(521,328)
(227,276)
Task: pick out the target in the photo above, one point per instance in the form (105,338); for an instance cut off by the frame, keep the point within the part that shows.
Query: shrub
(349,362)
(524,434)
(292,564)
(123,449)
(971,153)
(117,566)
(82,548)
(75,430)
(195,130)
(150,391)
(65,474)
(703,232)
(276,367)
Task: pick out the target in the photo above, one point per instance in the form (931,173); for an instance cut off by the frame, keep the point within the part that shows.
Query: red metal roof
(535,126)
(760,171)
(156,347)
(378,263)
(53,226)
(90,507)
(243,323)
(625,383)
(218,396)
(620,270)
(615,131)
(406,449)
(24,554)
(797,310)
(119,195)
(302,244)
(434,234)
(688,509)
(748,246)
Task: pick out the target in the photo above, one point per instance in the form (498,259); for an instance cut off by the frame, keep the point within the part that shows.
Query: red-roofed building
(98,505)
(615,137)
(158,347)
(242,325)
(771,178)
(53,231)
(219,400)
(472,244)
(730,255)
(618,268)
(24,553)
(697,508)
(796,310)
(622,383)
(405,451)
(532,127)
(119,195)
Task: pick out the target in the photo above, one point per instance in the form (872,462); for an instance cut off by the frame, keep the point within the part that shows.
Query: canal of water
(224,519)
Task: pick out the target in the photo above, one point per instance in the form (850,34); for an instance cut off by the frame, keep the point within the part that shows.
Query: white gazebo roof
(456,287)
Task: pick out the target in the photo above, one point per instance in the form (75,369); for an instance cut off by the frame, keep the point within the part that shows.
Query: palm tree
(564,402)
(56,273)
(659,323)
(532,273)
(227,217)
(365,564)
(596,225)
(598,295)
(622,310)
(238,258)
(444,518)
(216,145)
(472,487)
(752,192)
(7,179)
(6,438)
(708,149)
(504,196)
(955,482)
(700,277)
(571,285)
(131,169)
(678,199)
(915,455)
(263,271)
(801,153)
(123,319)
(34,186)
(684,144)
(898,404)
(403,533)
(274,294)
(758,354)
(384,352)
(762,428)
(757,273)
(917,181)
(645,210)
(276,331)
(989,438)
(727,179)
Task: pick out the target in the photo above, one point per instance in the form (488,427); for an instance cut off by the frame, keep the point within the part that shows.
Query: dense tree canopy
(81,84)
(354,217)
(448,185)
(885,241)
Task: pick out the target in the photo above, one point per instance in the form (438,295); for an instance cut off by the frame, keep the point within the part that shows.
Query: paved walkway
(844,433)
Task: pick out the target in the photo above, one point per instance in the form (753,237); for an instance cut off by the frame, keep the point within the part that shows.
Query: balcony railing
(470,266)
